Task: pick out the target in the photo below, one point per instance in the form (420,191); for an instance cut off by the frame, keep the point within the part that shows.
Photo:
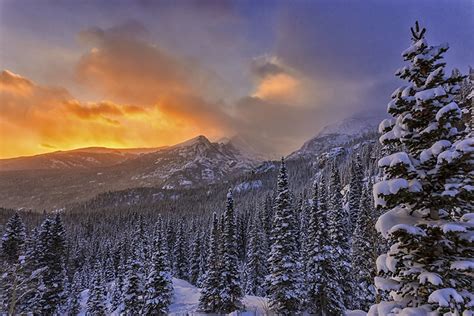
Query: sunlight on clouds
(280,87)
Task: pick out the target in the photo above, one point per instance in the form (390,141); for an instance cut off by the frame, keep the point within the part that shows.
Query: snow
(246,186)
(430,94)
(386,124)
(186,301)
(430,277)
(386,284)
(410,229)
(444,296)
(388,187)
(462,265)
(448,108)
(394,159)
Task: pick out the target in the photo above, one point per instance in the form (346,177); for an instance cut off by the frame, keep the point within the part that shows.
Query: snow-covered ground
(186,301)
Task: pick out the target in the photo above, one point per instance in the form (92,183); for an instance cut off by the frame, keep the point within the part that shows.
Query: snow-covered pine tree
(285,279)
(256,268)
(11,270)
(355,190)
(158,287)
(73,306)
(133,287)
(231,292)
(13,240)
(118,289)
(339,285)
(98,294)
(426,192)
(195,259)
(51,251)
(364,253)
(180,253)
(321,298)
(210,300)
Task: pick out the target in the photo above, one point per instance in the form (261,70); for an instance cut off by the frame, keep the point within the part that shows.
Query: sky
(143,73)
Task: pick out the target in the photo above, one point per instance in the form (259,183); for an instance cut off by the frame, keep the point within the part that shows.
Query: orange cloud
(36,119)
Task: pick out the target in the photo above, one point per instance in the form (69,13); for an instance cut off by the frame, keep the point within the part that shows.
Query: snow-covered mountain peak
(201,139)
(351,126)
(336,135)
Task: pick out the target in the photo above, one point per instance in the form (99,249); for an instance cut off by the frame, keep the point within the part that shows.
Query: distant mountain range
(56,179)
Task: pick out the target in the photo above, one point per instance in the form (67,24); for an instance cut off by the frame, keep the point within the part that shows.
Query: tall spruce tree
(339,285)
(98,293)
(426,191)
(180,253)
(13,240)
(134,280)
(11,268)
(231,293)
(158,287)
(256,268)
(195,259)
(285,279)
(51,260)
(355,190)
(364,253)
(210,299)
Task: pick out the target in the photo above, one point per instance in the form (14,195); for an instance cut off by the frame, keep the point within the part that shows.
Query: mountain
(56,179)
(335,135)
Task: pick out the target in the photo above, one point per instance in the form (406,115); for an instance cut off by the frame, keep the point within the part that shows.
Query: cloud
(50,117)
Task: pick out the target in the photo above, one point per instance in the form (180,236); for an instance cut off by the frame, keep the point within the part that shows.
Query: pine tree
(133,287)
(355,190)
(98,294)
(11,269)
(73,302)
(285,278)
(117,293)
(426,191)
(256,268)
(13,240)
(51,251)
(364,253)
(158,287)
(195,260)
(231,293)
(210,300)
(180,253)
(339,285)
(321,297)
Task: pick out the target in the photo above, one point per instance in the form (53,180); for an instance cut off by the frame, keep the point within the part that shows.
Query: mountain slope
(335,135)
(82,174)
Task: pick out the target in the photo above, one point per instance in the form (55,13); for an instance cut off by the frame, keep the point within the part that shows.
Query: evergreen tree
(321,298)
(426,191)
(98,294)
(256,268)
(285,278)
(231,293)
(13,239)
(159,287)
(180,254)
(195,260)
(339,285)
(364,253)
(73,302)
(51,260)
(355,190)
(11,269)
(133,287)
(210,300)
